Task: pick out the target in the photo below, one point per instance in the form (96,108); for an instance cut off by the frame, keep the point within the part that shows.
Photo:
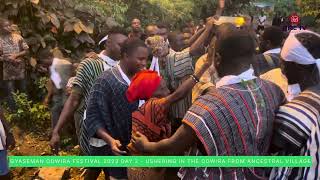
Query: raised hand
(211,53)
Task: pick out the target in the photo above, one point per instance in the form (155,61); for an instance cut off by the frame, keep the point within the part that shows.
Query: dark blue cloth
(118,173)
(109,108)
(263,65)
(4,166)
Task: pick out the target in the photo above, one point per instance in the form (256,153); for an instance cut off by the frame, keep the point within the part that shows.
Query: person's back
(267,64)
(268,68)
(60,72)
(270,47)
(235,120)
(89,70)
(236,117)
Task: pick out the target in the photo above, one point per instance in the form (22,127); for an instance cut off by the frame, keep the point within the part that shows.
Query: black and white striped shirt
(88,71)
(297,132)
(179,65)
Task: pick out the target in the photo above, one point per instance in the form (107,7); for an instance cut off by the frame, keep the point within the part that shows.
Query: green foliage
(28,115)
(41,86)
(73,26)
(310,7)
(177,12)
(111,8)
(285,7)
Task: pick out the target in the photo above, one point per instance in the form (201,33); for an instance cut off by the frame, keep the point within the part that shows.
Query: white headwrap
(104,39)
(294,51)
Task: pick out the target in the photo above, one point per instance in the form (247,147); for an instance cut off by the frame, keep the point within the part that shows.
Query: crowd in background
(205,90)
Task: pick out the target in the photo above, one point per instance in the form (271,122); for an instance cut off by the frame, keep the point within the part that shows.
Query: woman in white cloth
(296,127)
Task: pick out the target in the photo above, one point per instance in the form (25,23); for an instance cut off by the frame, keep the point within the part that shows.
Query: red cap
(143,85)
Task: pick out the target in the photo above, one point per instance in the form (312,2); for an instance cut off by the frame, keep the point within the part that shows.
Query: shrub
(28,115)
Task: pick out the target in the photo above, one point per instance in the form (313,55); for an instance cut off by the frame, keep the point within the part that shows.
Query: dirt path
(31,144)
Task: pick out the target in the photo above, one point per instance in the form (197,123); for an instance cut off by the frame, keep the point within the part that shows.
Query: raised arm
(188,84)
(196,36)
(199,41)
(198,47)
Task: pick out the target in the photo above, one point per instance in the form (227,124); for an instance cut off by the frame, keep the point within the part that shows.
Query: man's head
(145,85)
(186,39)
(45,57)
(151,30)
(136,25)
(176,41)
(159,47)
(163,30)
(234,53)
(225,29)
(5,26)
(186,29)
(220,31)
(271,38)
(116,38)
(134,55)
(295,67)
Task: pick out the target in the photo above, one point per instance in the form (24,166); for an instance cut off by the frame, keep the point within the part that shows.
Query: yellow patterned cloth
(159,46)
(277,78)
(206,81)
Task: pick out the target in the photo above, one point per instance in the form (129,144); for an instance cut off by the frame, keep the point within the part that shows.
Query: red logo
(294,19)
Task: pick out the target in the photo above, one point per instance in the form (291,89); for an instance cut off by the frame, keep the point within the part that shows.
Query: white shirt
(262,19)
(55,76)
(108,60)
(273,51)
(232,79)
(293,91)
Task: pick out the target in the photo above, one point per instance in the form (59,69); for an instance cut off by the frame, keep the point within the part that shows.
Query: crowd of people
(202,91)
